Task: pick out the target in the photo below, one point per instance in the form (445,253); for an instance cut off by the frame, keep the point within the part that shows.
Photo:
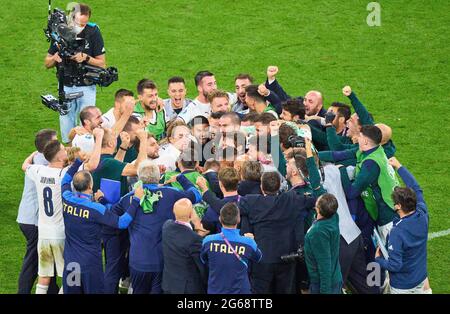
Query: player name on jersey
(75,211)
(224,248)
(45,180)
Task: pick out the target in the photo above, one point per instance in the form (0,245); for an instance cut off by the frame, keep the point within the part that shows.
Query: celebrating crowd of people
(245,191)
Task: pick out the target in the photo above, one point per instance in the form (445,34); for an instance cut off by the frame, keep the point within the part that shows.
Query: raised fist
(272,70)
(347,90)
(129,104)
(98,132)
(262,90)
(125,139)
(141,134)
(275,127)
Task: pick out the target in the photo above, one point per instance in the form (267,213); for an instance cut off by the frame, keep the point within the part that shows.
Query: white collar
(184,224)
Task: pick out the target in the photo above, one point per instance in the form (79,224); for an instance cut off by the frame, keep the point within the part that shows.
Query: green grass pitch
(400,70)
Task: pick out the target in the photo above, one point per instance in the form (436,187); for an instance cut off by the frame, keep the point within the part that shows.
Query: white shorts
(384,231)
(50,253)
(416,290)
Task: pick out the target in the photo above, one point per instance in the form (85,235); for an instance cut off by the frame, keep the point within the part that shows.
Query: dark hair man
(177,100)
(154,120)
(254,98)
(407,242)
(229,263)
(200,106)
(274,219)
(27,217)
(375,179)
(93,53)
(293,110)
(229,122)
(241,81)
(124,103)
(322,248)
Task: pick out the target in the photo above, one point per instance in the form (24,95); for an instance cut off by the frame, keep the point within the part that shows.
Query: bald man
(314,104)
(386,132)
(183,273)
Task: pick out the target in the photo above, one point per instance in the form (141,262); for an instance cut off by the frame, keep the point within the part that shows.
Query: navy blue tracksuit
(146,256)
(228,274)
(83,221)
(210,220)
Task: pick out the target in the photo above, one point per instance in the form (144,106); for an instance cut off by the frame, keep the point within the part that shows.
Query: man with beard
(314,104)
(200,106)
(200,130)
(241,81)
(147,108)
(205,83)
(90,118)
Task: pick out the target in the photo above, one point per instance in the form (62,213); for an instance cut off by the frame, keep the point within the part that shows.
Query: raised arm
(68,177)
(28,161)
(131,168)
(360,109)
(123,148)
(410,182)
(189,190)
(273,84)
(130,102)
(314,176)
(94,160)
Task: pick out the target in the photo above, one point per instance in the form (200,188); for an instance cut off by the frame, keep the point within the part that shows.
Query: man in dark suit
(275,221)
(183,272)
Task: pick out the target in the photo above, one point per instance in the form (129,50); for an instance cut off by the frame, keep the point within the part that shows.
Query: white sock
(41,289)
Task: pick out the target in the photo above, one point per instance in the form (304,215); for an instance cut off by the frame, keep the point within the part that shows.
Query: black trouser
(273,278)
(29,271)
(352,260)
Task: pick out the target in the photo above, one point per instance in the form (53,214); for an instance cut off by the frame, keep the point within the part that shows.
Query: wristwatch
(87,58)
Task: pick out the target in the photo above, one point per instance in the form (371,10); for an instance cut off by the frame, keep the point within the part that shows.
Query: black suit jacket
(276,222)
(213,181)
(183,273)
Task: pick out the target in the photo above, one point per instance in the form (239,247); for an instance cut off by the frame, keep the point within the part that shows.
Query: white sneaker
(124,284)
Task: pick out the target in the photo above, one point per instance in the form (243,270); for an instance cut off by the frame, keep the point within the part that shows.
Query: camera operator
(93,53)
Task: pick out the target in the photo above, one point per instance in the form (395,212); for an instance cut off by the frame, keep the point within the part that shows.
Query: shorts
(50,253)
(419,289)
(384,231)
